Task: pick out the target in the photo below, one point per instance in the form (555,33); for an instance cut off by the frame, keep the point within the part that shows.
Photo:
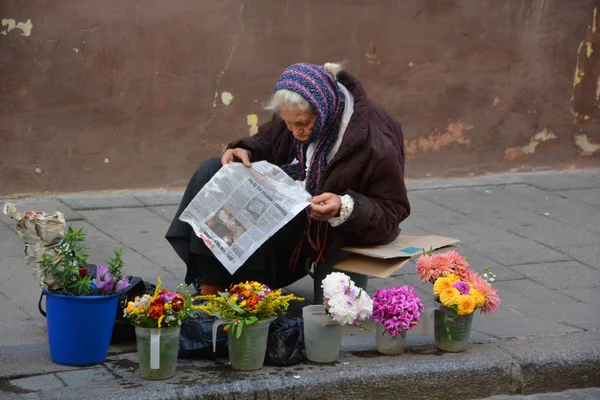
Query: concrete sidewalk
(540,232)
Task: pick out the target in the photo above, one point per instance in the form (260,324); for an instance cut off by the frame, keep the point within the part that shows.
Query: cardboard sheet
(382,261)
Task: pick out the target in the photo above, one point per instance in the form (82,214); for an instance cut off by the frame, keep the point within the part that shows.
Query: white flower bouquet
(344,301)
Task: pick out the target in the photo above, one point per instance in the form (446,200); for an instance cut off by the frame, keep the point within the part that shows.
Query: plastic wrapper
(41,232)
(286,342)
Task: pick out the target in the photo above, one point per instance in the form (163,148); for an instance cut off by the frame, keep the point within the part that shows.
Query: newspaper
(240,208)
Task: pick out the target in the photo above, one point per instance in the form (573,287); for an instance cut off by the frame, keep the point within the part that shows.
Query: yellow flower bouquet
(458,295)
(245,304)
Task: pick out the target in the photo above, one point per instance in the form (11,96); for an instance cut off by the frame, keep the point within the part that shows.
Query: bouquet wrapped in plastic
(41,233)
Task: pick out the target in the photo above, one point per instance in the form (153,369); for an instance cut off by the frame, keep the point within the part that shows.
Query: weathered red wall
(128,94)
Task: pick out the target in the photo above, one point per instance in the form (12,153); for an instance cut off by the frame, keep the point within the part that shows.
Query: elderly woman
(348,152)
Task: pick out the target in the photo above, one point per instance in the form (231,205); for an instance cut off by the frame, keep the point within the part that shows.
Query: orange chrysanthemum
(156,311)
(252,302)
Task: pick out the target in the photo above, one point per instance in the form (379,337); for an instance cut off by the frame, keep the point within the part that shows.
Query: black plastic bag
(286,342)
(195,340)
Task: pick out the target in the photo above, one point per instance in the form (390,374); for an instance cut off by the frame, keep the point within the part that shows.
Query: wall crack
(233,47)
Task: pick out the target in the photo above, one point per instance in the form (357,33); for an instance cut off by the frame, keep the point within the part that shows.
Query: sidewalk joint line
(130,248)
(59,378)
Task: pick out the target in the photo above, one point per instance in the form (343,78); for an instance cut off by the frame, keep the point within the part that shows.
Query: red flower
(82,271)
(159,302)
(177,303)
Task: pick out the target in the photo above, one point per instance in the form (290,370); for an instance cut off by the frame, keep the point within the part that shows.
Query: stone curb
(516,366)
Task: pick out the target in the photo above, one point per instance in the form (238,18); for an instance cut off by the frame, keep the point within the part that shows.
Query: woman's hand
(236,155)
(325,206)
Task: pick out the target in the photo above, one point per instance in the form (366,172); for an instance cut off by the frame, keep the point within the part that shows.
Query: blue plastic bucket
(80,327)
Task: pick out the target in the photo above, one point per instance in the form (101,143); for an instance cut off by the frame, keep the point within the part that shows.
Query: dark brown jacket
(369,166)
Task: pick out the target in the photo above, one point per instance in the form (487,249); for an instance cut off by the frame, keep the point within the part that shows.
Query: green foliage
(73,256)
(115,266)
(70,264)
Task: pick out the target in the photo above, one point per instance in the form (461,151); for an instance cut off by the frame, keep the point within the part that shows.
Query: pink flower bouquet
(431,267)
(398,309)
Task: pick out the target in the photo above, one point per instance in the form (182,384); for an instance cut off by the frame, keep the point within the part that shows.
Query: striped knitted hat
(316,85)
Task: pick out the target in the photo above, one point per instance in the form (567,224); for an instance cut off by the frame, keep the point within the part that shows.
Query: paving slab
(11,245)
(508,323)
(531,298)
(478,262)
(102,247)
(94,201)
(564,180)
(587,196)
(588,255)
(475,205)
(561,275)
(479,203)
(84,377)
(28,360)
(23,332)
(37,383)
(586,295)
(425,213)
(501,246)
(165,212)
(45,204)
(159,197)
(484,180)
(140,230)
(19,285)
(550,205)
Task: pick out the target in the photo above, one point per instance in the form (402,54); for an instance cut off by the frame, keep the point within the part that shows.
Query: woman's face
(300,123)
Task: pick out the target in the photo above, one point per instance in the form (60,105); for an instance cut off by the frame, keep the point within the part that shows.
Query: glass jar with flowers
(396,310)
(344,303)
(459,292)
(247,310)
(157,319)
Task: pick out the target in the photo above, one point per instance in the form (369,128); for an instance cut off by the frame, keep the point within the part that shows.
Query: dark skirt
(270,264)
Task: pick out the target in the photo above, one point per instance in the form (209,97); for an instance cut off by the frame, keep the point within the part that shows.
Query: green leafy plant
(70,268)
(69,265)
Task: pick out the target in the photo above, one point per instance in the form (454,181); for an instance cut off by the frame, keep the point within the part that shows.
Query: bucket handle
(40,304)
(215,326)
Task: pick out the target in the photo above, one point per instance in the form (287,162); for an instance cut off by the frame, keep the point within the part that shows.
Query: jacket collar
(358,127)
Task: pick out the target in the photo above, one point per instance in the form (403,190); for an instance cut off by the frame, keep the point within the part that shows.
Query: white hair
(284,98)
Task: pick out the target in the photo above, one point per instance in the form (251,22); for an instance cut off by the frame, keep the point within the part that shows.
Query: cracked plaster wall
(110,95)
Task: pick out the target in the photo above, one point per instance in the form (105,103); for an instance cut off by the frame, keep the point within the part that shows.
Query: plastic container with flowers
(344,303)
(82,302)
(396,310)
(157,319)
(247,310)
(459,292)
